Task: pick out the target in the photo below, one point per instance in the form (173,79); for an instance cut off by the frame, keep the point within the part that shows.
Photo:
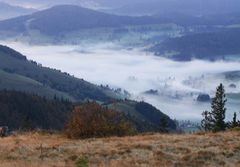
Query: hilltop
(68,18)
(46,150)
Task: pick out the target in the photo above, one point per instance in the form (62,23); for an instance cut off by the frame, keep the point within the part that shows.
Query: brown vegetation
(93,120)
(153,150)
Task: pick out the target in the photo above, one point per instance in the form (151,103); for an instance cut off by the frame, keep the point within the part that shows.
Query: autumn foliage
(93,120)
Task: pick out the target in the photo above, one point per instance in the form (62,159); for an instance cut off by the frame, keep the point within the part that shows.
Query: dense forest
(207,46)
(26,111)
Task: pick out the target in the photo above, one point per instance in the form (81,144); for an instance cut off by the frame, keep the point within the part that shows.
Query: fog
(137,71)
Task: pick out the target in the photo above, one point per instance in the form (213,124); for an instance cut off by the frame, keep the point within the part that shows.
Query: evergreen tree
(234,121)
(164,124)
(27,125)
(207,122)
(214,120)
(219,110)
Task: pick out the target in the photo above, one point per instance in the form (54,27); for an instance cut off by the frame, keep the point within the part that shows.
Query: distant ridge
(67,18)
(9,11)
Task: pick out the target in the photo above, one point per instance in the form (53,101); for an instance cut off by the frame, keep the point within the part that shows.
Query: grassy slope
(198,150)
(128,107)
(146,116)
(17,82)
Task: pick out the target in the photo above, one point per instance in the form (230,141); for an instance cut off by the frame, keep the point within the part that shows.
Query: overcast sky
(120,3)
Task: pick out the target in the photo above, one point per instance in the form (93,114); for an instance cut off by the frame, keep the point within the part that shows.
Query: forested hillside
(208,46)
(67,18)
(15,65)
(19,74)
(24,111)
(27,112)
(145,116)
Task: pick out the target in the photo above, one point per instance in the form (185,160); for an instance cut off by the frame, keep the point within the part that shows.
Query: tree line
(214,120)
(23,111)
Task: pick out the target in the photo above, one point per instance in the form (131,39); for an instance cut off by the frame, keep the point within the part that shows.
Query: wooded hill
(18,73)
(24,111)
(40,97)
(217,45)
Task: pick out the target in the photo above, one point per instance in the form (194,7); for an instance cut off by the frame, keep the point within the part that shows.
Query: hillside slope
(145,116)
(53,80)
(19,74)
(68,18)
(156,150)
(11,81)
(9,11)
(21,111)
(27,111)
(223,44)
(186,7)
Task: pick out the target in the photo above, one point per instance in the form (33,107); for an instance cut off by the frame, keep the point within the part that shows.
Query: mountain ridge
(8,11)
(67,18)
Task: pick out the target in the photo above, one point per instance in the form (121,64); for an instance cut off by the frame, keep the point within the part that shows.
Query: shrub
(82,162)
(92,120)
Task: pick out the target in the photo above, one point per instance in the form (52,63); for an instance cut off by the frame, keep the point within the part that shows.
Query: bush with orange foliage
(93,120)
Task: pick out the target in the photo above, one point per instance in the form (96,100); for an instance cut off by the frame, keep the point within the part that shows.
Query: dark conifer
(214,120)
(207,122)
(164,124)
(234,123)
(219,110)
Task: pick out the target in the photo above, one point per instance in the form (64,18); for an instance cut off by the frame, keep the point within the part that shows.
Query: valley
(140,83)
(178,84)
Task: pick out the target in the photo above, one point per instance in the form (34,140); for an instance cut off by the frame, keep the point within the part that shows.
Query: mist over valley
(170,54)
(170,85)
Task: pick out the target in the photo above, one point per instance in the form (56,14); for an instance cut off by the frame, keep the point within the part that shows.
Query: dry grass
(197,150)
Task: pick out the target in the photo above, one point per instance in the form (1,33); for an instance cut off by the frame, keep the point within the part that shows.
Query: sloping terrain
(19,74)
(17,67)
(68,18)
(27,111)
(186,7)
(9,11)
(153,150)
(208,46)
(20,110)
(11,81)
(145,116)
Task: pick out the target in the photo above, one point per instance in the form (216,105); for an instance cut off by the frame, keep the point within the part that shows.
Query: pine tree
(207,122)
(234,123)
(219,110)
(214,120)
(164,124)
(27,125)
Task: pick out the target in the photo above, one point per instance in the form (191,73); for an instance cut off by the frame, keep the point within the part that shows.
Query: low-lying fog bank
(174,85)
